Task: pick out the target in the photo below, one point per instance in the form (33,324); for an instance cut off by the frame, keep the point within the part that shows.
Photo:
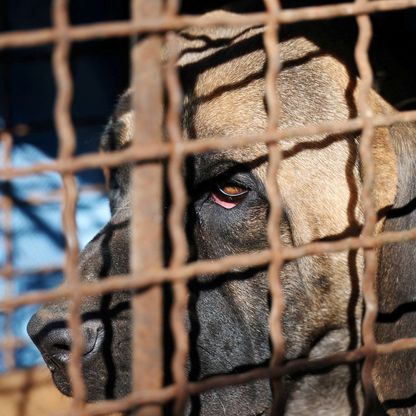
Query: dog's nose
(53,339)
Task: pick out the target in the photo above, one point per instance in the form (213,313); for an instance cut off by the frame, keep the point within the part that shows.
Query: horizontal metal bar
(163,150)
(300,365)
(127,28)
(208,267)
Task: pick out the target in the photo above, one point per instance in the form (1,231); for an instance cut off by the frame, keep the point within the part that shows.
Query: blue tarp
(37,236)
(27,94)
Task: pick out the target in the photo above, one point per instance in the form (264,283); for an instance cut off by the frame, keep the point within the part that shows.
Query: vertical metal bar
(271,45)
(7,141)
(370,218)
(6,138)
(67,144)
(176,218)
(147,206)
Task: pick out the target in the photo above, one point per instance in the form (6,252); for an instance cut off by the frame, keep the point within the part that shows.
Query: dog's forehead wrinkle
(200,42)
(230,161)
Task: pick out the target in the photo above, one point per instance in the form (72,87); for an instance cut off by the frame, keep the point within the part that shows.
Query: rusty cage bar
(152,24)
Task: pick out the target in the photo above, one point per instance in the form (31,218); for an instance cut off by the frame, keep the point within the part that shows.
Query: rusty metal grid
(149,17)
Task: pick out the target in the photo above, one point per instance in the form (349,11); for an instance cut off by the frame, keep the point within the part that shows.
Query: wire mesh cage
(157,155)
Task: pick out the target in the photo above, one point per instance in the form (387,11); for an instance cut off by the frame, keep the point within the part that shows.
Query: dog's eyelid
(231,189)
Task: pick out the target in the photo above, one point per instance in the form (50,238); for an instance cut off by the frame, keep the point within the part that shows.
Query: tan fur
(319,177)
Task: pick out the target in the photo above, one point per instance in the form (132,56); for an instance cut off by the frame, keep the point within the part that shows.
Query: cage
(48,161)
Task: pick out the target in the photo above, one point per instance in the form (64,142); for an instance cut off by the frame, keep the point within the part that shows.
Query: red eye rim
(226,199)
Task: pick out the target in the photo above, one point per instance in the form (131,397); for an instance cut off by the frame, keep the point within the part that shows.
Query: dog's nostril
(54,339)
(92,336)
(61,341)
(64,347)
(56,344)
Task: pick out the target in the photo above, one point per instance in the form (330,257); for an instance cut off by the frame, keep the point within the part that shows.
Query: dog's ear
(385,161)
(395,374)
(385,174)
(119,129)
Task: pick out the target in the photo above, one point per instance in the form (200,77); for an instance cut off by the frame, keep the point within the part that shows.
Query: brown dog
(222,72)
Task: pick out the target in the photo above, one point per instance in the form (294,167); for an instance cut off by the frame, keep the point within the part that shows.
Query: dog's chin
(64,386)
(95,392)
(62,383)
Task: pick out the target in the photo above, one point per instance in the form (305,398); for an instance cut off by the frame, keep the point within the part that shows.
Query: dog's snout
(54,338)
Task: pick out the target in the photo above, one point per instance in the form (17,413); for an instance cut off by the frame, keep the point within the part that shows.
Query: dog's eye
(228,195)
